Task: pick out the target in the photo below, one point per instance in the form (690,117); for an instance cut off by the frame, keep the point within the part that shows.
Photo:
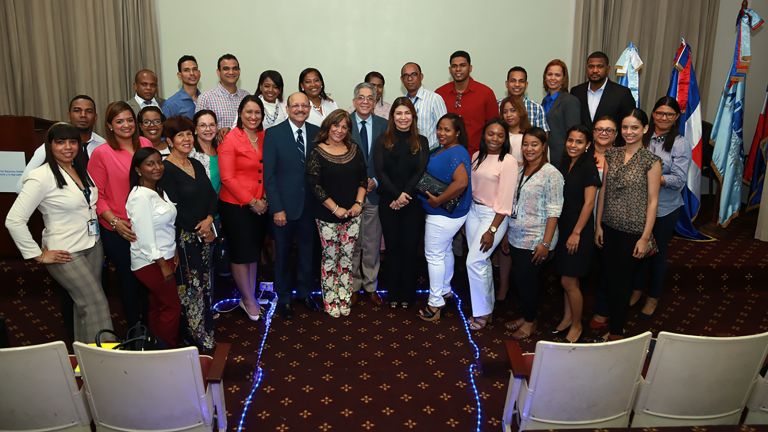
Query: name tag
(93,227)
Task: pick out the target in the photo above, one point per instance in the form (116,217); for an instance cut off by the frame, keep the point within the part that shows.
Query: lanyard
(86,189)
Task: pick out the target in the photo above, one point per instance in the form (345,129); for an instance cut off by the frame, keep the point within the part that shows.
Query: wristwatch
(493,229)
(546,245)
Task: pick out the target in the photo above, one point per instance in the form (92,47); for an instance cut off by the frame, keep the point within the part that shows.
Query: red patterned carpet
(386,370)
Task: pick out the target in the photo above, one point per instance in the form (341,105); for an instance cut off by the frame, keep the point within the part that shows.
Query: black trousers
(526,275)
(133,294)
(402,231)
(620,268)
(655,267)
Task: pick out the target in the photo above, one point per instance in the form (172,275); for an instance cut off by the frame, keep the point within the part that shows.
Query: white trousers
(438,238)
(479,269)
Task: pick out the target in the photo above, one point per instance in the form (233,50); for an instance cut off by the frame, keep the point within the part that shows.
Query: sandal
(514,325)
(393,305)
(479,323)
(430,313)
(523,334)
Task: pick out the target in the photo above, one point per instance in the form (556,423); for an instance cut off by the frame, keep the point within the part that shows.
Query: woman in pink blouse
(109,166)
(494,180)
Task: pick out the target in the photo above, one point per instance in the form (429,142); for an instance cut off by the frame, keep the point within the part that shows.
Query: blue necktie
(300,146)
(364,137)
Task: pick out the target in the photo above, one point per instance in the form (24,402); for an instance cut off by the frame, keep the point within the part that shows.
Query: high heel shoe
(251,317)
(430,313)
(561,333)
(577,339)
(479,323)
(635,297)
(649,308)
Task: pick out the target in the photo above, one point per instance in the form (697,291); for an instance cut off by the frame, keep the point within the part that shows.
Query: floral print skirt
(338,241)
(194,278)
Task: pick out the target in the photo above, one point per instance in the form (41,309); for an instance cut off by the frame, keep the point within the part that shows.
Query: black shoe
(310,304)
(285,311)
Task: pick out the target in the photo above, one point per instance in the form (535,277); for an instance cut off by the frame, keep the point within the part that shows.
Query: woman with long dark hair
(71,249)
(338,178)
(153,254)
(532,232)
(494,181)
(311,83)
(671,147)
(576,227)
(400,157)
(626,212)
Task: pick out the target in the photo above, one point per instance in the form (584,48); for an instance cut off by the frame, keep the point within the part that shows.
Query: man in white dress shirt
(429,105)
(82,114)
(145,88)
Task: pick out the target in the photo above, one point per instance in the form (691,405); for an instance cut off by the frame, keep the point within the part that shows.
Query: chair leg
(510,403)
(217,392)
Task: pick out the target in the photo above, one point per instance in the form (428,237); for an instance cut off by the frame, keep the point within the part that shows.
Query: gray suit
(365,264)
(135,106)
(565,112)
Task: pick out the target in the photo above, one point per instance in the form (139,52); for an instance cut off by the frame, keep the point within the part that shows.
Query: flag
(727,130)
(754,172)
(684,88)
(628,70)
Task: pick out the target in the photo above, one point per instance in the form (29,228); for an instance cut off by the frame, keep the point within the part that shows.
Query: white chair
(574,386)
(154,390)
(758,404)
(39,391)
(698,380)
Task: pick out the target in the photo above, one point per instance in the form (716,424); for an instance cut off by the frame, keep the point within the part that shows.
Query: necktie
(147,102)
(300,145)
(364,138)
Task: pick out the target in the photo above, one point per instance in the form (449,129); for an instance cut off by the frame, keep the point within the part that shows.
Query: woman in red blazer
(242,201)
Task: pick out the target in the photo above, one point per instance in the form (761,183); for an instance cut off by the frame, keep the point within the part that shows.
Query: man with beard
(82,114)
(600,96)
(473,101)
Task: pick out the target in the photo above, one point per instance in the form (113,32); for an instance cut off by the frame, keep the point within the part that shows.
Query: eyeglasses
(665,115)
(157,122)
(412,75)
(606,131)
(361,98)
(207,126)
(299,106)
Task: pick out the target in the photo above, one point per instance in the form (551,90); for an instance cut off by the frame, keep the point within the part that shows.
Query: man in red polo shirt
(473,101)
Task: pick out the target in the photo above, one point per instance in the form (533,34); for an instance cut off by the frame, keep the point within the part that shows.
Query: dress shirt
(540,198)
(315,118)
(429,108)
(476,106)
(382,108)
(181,103)
(494,182)
(368,128)
(109,169)
(222,102)
(536,115)
(38,157)
(674,170)
(152,219)
(142,104)
(593,98)
(274,112)
(65,214)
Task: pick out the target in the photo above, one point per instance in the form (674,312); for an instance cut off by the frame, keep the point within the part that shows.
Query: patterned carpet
(386,370)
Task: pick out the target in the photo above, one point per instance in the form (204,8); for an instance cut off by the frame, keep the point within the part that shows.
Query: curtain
(655,27)
(54,50)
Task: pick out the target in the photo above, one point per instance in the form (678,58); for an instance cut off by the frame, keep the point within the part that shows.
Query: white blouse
(328,106)
(65,214)
(274,113)
(152,219)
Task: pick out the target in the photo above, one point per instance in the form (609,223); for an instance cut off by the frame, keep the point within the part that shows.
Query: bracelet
(114,221)
(334,210)
(360,203)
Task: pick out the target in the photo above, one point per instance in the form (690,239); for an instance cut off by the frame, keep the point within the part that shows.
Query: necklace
(184,164)
(318,108)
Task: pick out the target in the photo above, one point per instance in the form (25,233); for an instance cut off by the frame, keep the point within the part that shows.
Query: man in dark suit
(286,147)
(145,91)
(366,129)
(600,96)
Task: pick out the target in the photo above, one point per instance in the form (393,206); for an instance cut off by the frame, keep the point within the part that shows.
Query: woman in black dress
(188,186)
(400,157)
(576,225)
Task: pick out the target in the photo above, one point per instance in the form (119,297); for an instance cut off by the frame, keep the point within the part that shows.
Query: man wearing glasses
(473,101)
(286,147)
(429,105)
(145,91)
(225,98)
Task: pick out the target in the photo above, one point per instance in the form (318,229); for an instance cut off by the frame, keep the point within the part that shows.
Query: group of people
(521,182)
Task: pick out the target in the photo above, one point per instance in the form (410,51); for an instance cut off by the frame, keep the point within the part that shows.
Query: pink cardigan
(109,169)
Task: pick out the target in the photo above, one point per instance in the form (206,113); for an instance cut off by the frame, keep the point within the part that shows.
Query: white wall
(347,39)
(757,78)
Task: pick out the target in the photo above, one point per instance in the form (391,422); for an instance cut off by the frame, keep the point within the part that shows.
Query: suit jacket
(378,125)
(565,112)
(284,173)
(136,108)
(617,102)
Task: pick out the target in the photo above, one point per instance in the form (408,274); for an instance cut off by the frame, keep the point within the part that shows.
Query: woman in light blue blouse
(451,165)
(532,232)
(675,154)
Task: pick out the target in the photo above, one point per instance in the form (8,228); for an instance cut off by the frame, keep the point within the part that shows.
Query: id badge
(93,227)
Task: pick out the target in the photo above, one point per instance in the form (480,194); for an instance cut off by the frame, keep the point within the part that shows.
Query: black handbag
(428,183)
(138,338)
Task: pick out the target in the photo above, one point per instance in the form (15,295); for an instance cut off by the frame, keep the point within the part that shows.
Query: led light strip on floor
(474,367)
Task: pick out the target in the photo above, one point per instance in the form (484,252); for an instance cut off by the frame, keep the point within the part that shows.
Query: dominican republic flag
(754,172)
(728,127)
(684,88)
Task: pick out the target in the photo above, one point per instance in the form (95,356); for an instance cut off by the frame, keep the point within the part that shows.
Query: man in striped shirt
(429,105)
(517,84)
